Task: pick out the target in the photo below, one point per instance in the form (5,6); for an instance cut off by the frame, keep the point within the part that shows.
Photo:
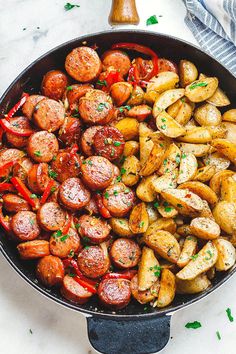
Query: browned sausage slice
(53,197)
(167,65)
(66,166)
(140,112)
(118,59)
(50,270)
(24,225)
(125,253)
(70,131)
(91,207)
(73,194)
(87,140)
(38,178)
(19,124)
(93,262)
(83,64)
(21,168)
(96,107)
(93,229)
(97,172)
(74,93)
(33,249)
(42,146)
(8,155)
(54,84)
(14,203)
(61,245)
(109,143)
(51,216)
(31,102)
(49,115)
(114,293)
(73,291)
(118,199)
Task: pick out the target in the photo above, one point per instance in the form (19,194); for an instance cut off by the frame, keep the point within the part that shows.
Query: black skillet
(133,330)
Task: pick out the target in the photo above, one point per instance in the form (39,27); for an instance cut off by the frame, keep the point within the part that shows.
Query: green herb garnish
(156,205)
(122,171)
(152,20)
(106,195)
(229,314)
(117,143)
(69,88)
(101,106)
(33,196)
(68,6)
(52,174)
(122,108)
(193,325)
(157,270)
(197,84)
(37,153)
(115,193)
(141,224)
(102,83)
(218,335)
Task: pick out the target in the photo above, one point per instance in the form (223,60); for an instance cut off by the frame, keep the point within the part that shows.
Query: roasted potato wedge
(164,243)
(198,135)
(188,250)
(204,174)
(138,220)
(231,132)
(197,150)
(145,190)
(201,90)
(149,269)
(219,98)
(216,180)
(129,127)
(143,297)
(194,286)
(228,189)
(230,115)
(205,228)
(181,110)
(168,180)
(206,211)
(168,125)
(165,80)
(167,289)
(131,166)
(202,190)
(171,159)
(205,259)
(153,161)
(152,213)
(120,226)
(187,168)
(131,148)
(207,114)
(226,254)
(218,160)
(217,132)
(145,142)
(225,216)
(225,147)
(167,210)
(166,99)
(184,230)
(161,224)
(187,72)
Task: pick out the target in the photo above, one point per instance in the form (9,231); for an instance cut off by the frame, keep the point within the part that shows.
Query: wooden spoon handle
(123,12)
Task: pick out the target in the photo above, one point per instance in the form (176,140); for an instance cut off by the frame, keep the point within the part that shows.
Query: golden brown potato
(168,180)
(203,261)
(120,226)
(205,228)
(198,135)
(226,148)
(161,224)
(138,220)
(207,114)
(202,190)
(226,254)
(164,81)
(187,168)
(131,148)
(167,210)
(164,243)
(197,150)
(219,99)
(218,160)
(187,72)
(137,97)
(185,111)
(217,132)
(215,182)
(205,173)
(129,127)
(145,142)
(228,189)
(152,213)
(131,168)
(231,132)
(153,161)
(201,90)
(194,286)
(166,99)
(120,92)
(145,190)
(188,251)
(230,115)
(225,216)
(143,297)
(149,269)
(206,211)
(171,159)
(150,97)
(168,125)
(184,230)
(167,289)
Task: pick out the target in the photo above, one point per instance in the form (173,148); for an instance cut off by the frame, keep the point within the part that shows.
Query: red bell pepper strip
(18,105)
(101,208)
(129,274)
(4,170)
(92,289)
(68,262)
(1,134)
(74,149)
(6,187)
(47,191)
(25,192)
(67,224)
(8,127)
(4,222)
(112,77)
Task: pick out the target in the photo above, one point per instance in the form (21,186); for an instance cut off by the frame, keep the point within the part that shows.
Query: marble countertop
(30,323)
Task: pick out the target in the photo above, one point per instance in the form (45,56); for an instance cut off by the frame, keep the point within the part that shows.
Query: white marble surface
(56,329)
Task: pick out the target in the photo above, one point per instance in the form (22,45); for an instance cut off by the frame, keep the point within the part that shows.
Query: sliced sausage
(22,168)
(24,226)
(61,245)
(109,143)
(50,270)
(19,124)
(116,172)
(33,249)
(140,112)
(121,92)
(74,93)
(97,172)
(14,203)
(114,293)
(9,155)
(91,207)
(38,178)
(49,115)
(118,59)
(73,291)
(29,105)
(83,64)
(51,216)
(66,166)
(92,262)
(96,107)
(87,140)
(125,253)
(54,84)
(167,65)
(53,197)
(93,229)
(42,146)
(70,131)
(118,199)
(73,194)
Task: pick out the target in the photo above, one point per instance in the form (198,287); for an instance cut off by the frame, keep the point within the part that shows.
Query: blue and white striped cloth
(213,23)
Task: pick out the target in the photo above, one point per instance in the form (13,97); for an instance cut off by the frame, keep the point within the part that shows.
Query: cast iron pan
(131,330)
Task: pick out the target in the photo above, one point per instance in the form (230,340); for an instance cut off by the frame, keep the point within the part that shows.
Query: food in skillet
(118,178)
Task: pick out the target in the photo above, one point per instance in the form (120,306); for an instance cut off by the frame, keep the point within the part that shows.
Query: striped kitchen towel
(213,23)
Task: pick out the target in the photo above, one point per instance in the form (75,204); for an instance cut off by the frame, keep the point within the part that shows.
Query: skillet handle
(140,336)
(123,12)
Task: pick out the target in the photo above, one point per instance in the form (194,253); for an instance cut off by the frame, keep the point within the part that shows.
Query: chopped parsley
(177,159)
(168,209)
(106,195)
(179,206)
(122,108)
(163,127)
(30,330)
(193,325)
(165,162)
(69,88)
(59,236)
(197,84)
(194,257)
(68,6)
(87,247)
(90,162)
(77,226)
(33,196)
(101,106)
(115,193)
(112,152)
(37,153)
(54,158)
(156,205)
(141,224)
(163,120)
(210,255)
(118,178)
(102,82)
(218,335)
(53,189)
(183,156)
(52,174)
(157,270)
(152,20)
(122,171)
(117,143)
(229,314)
(126,191)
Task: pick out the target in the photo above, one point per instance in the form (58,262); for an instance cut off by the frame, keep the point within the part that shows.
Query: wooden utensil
(123,12)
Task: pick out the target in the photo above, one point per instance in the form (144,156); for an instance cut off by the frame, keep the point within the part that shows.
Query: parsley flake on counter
(229,314)
(30,330)
(218,335)
(193,325)
(68,6)
(152,20)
